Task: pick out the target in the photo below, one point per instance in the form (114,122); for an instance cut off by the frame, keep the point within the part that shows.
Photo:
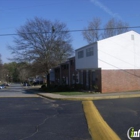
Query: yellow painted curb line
(65,98)
(90,98)
(98,128)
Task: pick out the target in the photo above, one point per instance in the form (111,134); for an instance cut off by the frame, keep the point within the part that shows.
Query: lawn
(61,91)
(71,93)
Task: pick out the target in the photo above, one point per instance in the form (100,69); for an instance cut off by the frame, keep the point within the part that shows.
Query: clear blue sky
(75,13)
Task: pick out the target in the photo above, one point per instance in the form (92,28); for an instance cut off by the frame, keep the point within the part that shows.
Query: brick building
(65,73)
(113,64)
(110,65)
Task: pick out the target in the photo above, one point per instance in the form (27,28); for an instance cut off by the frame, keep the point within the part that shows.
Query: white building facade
(111,64)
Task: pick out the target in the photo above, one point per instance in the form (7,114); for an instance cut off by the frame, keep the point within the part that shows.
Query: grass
(72,93)
(63,91)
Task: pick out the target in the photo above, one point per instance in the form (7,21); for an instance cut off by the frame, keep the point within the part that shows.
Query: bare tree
(114,27)
(44,42)
(122,27)
(91,33)
(94,32)
(23,74)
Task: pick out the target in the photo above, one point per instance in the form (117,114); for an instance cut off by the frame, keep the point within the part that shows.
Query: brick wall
(120,80)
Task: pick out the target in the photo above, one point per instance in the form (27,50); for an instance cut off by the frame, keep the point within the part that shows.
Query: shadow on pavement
(30,91)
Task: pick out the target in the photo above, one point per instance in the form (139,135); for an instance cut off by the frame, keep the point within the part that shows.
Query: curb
(98,128)
(66,98)
(89,98)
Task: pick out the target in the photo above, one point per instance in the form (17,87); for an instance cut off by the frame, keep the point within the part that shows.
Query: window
(57,70)
(71,62)
(81,54)
(67,66)
(64,67)
(132,37)
(89,51)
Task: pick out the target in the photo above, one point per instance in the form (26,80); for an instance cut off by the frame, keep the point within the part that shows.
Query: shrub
(95,87)
(43,86)
(61,88)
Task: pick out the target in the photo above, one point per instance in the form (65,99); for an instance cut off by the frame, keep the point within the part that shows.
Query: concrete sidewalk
(91,96)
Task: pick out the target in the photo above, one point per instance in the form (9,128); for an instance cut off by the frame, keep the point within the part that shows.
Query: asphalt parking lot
(42,119)
(120,114)
(27,116)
